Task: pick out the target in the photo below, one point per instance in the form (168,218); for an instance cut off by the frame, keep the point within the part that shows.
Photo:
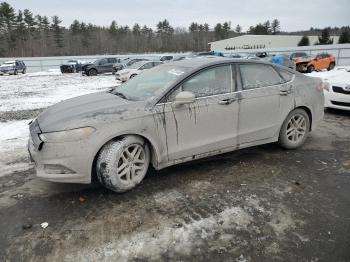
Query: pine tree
(304,41)
(275,26)
(238,29)
(344,37)
(325,39)
(57,32)
(8,17)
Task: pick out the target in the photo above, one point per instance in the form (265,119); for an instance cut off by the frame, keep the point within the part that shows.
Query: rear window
(258,75)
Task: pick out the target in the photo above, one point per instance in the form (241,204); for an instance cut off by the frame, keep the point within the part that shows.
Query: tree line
(23,33)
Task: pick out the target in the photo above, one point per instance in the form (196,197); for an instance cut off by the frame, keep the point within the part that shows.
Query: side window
(102,62)
(287,76)
(258,75)
(111,60)
(210,82)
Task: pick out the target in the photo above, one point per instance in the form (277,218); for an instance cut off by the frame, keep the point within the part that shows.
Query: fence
(340,51)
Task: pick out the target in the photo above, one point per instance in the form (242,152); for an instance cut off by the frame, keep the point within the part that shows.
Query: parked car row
(13,67)
(299,61)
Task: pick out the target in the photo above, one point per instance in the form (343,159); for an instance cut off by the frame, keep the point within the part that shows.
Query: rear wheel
(122,164)
(331,66)
(310,69)
(294,129)
(92,72)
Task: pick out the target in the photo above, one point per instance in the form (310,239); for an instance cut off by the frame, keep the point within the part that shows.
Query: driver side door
(209,124)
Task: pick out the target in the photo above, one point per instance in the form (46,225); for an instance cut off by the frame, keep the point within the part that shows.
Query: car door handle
(285,92)
(227,101)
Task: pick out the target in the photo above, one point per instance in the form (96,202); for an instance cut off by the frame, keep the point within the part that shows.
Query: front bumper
(7,71)
(337,100)
(61,162)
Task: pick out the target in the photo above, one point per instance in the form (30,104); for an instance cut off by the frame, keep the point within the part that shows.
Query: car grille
(340,103)
(338,89)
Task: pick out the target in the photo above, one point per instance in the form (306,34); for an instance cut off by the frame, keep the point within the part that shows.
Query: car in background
(13,67)
(211,53)
(100,66)
(173,113)
(337,93)
(297,55)
(283,60)
(72,66)
(166,58)
(135,69)
(126,63)
(319,62)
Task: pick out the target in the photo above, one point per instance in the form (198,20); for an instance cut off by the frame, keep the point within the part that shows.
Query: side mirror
(184,97)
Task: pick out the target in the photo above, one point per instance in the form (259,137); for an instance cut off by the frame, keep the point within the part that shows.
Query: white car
(337,95)
(135,69)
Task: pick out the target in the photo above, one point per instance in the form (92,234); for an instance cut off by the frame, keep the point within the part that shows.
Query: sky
(293,14)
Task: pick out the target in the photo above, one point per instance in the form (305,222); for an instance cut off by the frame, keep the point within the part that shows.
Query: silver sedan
(174,113)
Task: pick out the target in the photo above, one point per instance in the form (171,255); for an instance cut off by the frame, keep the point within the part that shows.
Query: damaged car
(72,66)
(319,62)
(174,113)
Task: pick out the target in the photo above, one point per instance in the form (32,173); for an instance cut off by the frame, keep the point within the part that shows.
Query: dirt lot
(257,204)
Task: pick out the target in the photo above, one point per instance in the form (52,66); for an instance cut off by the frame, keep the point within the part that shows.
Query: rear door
(259,112)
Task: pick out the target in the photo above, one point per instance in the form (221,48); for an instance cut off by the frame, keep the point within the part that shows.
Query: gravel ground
(256,204)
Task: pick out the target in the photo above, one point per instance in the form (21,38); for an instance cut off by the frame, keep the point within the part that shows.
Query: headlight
(67,135)
(326,86)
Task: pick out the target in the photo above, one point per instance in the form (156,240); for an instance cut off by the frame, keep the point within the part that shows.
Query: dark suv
(100,66)
(13,67)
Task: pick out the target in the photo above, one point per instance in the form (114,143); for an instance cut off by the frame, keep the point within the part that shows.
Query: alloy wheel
(132,163)
(296,128)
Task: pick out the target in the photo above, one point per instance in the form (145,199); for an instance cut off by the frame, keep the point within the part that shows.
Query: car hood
(127,71)
(5,66)
(87,110)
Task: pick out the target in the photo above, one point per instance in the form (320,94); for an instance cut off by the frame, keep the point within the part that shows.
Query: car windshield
(151,82)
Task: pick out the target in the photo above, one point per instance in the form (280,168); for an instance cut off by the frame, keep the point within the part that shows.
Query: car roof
(204,62)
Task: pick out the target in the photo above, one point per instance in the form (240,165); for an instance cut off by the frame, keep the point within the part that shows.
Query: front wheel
(331,66)
(310,69)
(122,164)
(294,129)
(92,72)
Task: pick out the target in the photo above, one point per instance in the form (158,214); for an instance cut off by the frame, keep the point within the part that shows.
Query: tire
(24,71)
(295,129)
(92,72)
(310,69)
(15,72)
(119,167)
(331,66)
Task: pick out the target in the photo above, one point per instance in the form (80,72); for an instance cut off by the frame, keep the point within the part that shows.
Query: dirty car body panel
(228,113)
